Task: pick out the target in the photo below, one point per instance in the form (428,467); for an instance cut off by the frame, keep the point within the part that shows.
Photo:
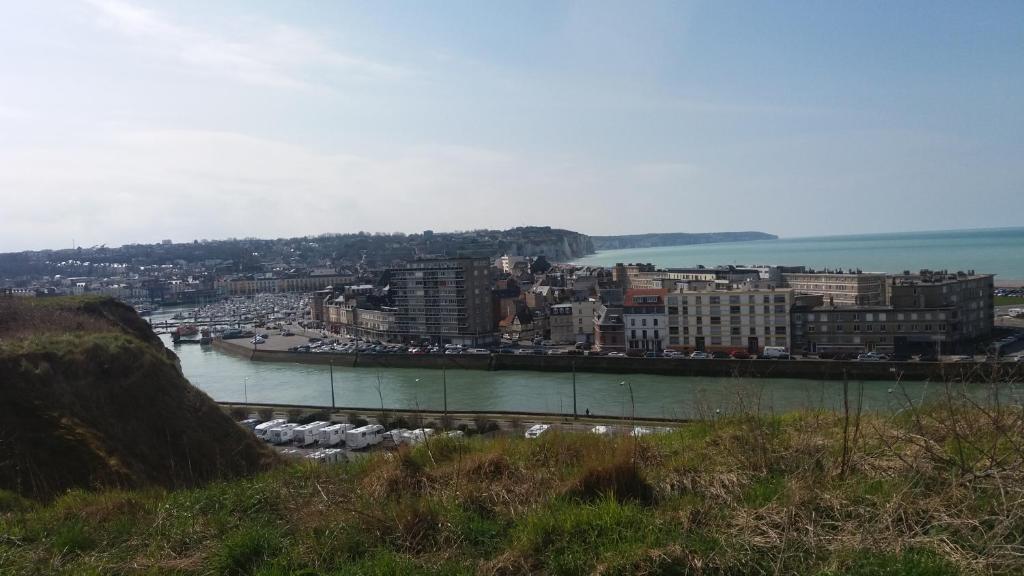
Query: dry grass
(930,491)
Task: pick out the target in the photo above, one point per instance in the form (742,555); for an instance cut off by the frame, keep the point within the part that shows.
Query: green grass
(1009,301)
(741,496)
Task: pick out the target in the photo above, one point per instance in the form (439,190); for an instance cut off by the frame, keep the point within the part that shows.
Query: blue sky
(132,120)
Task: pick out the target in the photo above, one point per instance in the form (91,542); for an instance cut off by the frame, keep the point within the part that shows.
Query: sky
(126,121)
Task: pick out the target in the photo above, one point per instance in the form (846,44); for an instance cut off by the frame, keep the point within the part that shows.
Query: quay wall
(803,368)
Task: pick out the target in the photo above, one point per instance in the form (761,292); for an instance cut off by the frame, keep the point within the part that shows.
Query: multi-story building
(924,313)
(840,288)
(560,325)
(711,316)
(445,300)
(645,317)
(272,283)
(583,312)
(609,331)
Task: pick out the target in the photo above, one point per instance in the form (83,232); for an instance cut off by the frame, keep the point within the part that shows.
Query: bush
(245,551)
(321,416)
(621,480)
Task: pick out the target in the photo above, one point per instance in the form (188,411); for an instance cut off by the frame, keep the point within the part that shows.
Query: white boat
(601,430)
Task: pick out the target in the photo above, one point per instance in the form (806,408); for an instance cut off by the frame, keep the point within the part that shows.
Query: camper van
(420,435)
(262,429)
(399,435)
(249,423)
(306,434)
(332,435)
(536,430)
(369,435)
(281,434)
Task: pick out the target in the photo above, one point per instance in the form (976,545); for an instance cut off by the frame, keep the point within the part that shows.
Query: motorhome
(601,430)
(262,429)
(281,434)
(420,435)
(306,434)
(369,435)
(536,430)
(399,435)
(332,435)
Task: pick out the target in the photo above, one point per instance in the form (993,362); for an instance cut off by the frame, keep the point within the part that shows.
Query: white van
(775,352)
(369,435)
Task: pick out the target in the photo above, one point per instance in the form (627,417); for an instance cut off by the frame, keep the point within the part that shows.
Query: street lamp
(636,437)
(245,389)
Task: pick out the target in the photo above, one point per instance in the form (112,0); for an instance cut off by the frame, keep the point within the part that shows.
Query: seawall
(805,368)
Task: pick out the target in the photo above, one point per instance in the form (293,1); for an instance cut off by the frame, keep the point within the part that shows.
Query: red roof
(633,293)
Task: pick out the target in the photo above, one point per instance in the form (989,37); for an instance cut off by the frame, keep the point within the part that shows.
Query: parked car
(720,355)
(740,355)
(700,356)
(775,353)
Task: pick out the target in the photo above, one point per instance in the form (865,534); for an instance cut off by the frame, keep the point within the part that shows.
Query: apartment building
(609,331)
(645,319)
(840,288)
(444,300)
(252,284)
(925,313)
(712,316)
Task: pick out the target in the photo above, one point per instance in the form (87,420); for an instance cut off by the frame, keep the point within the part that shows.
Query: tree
(540,265)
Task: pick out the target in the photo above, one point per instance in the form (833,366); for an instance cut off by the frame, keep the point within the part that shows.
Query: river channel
(231,379)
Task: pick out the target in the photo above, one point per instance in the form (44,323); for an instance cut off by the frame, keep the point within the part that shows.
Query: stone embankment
(800,368)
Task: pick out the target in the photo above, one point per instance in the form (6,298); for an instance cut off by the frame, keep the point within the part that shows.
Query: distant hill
(90,397)
(674,239)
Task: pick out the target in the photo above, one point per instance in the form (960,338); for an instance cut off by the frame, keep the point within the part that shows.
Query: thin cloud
(281,56)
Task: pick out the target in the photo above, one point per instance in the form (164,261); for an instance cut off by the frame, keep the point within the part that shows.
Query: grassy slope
(90,397)
(929,493)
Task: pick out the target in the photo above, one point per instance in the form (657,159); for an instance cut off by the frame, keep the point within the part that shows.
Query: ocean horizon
(998,251)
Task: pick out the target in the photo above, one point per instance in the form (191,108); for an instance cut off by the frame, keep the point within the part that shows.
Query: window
(673,330)
(655,321)
(632,321)
(632,334)
(780,330)
(656,336)
(643,334)
(716,320)
(643,321)
(715,300)
(856,327)
(753,331)
(766,300)
(780,308)
(734,299)
(700,320)
(780,298)
(686,330)
(673,310)
(735,330)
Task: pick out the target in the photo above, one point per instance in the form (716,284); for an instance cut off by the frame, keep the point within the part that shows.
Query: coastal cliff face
(91,398)
(556,245)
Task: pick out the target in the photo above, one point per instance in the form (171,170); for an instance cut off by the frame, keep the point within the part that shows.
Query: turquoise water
(993,251)
(231,379)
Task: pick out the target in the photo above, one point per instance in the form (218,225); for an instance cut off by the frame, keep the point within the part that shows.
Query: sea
(998,251)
